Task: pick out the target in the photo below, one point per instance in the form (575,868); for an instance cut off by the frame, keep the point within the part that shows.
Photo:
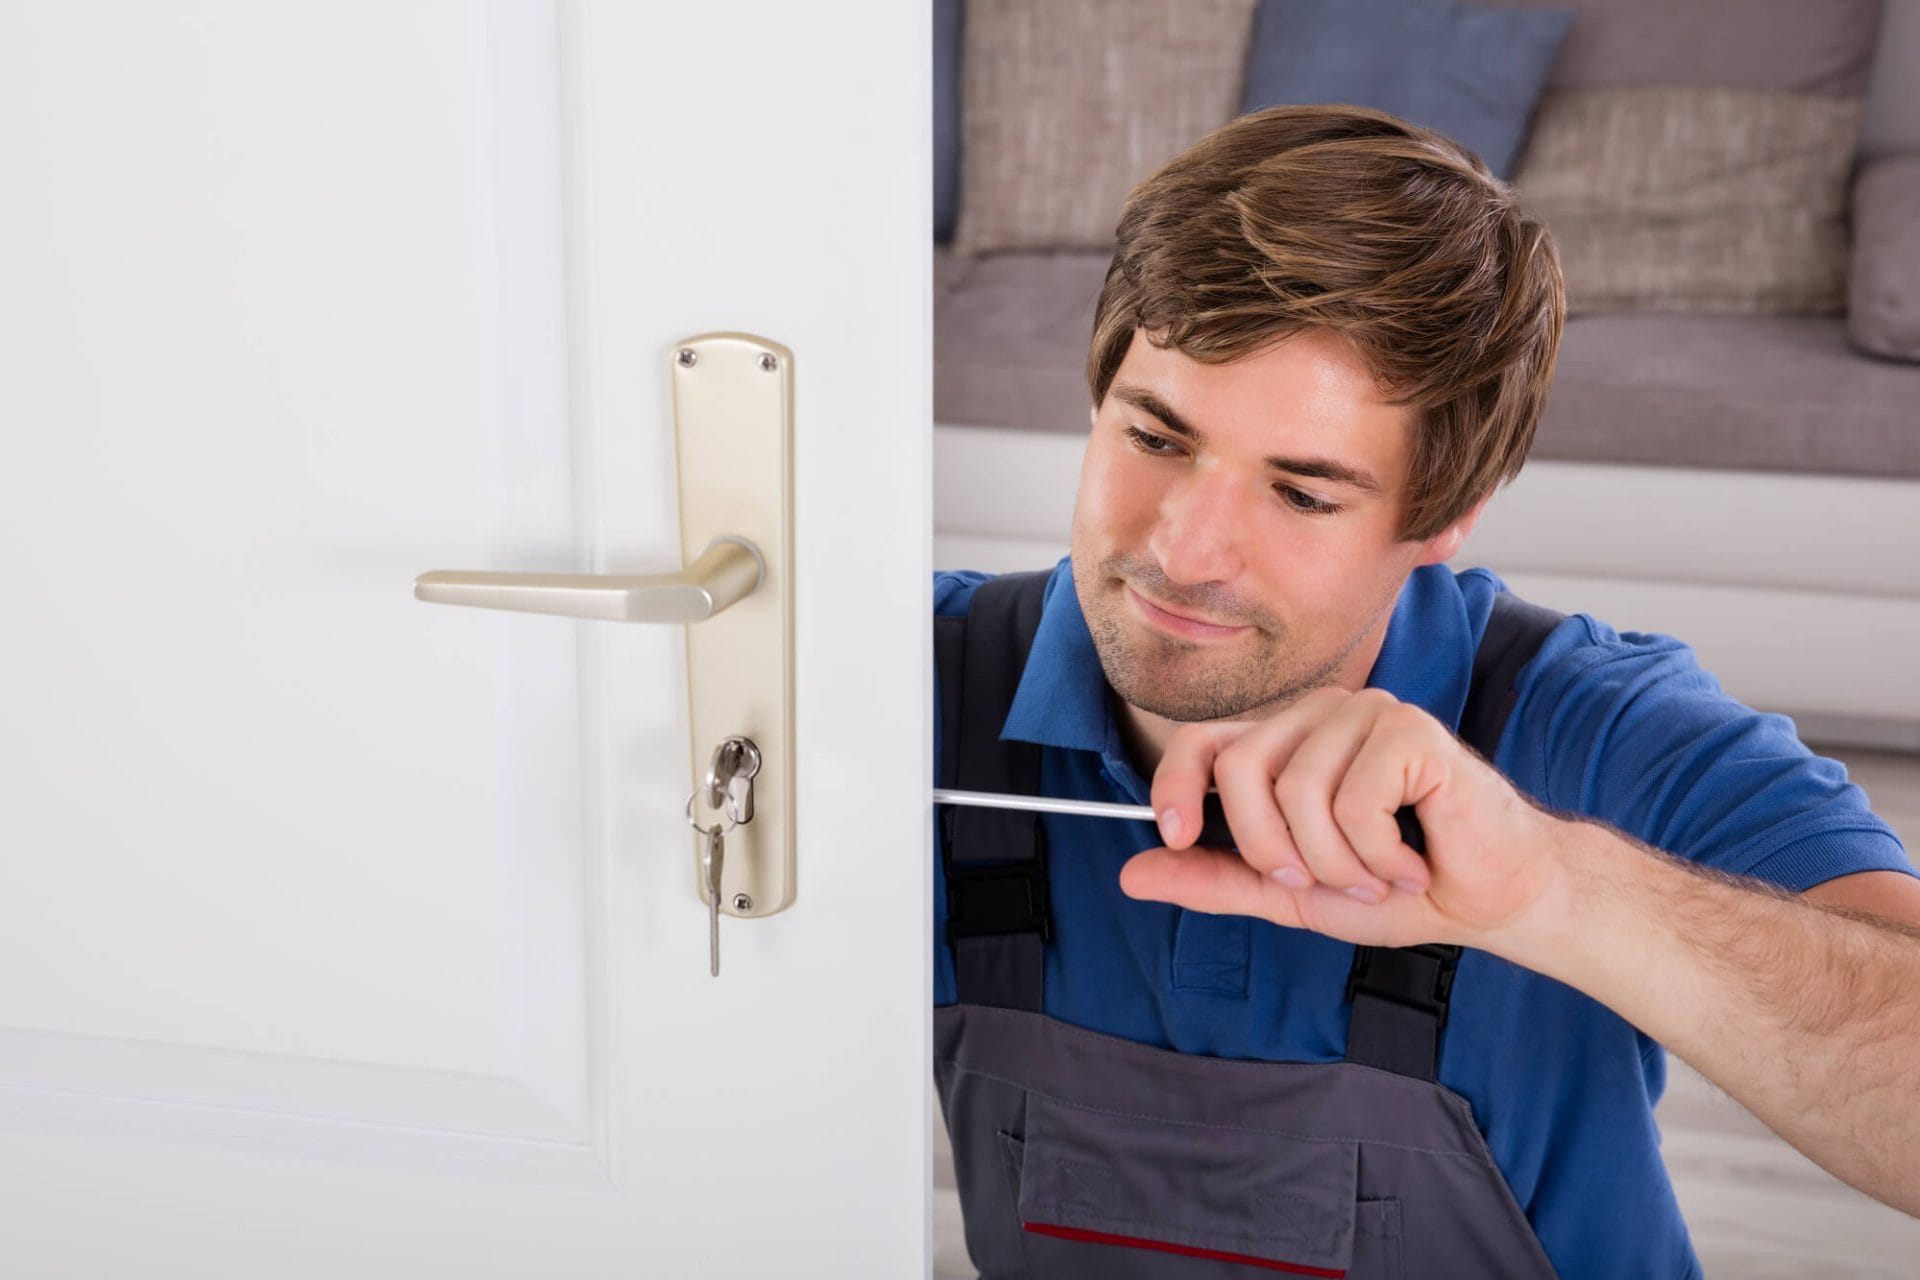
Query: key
(711,859)
(740,795)
(719,770)
(739,785)
(730,777)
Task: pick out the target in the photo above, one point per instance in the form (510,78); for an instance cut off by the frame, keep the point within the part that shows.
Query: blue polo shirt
(1625,727)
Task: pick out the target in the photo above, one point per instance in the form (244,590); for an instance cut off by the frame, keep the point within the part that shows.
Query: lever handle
(727,572)
(1215,833)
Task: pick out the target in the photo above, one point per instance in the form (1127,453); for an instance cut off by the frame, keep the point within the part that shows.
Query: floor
(1757,1208)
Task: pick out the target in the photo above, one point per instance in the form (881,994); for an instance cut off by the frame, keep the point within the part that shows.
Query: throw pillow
(1469,72)
(1694,199)
(1069,104)
(1892,125)
(1883,304)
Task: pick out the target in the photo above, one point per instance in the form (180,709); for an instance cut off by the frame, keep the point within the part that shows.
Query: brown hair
(1351,220)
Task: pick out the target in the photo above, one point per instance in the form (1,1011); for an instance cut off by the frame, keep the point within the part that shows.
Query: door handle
(733,453)
(727,572)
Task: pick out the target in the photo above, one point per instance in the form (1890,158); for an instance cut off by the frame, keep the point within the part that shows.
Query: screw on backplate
(741,902)
(769,363)
(687,356)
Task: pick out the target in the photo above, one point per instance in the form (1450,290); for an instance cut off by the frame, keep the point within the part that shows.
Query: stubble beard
(1186,680)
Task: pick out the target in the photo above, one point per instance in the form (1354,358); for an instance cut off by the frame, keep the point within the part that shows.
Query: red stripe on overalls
(1188,1251)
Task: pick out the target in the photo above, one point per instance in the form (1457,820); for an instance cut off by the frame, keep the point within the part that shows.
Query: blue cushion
(948,16)
(1470,72)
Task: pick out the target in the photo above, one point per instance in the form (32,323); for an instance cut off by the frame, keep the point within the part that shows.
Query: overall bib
(1082,1154)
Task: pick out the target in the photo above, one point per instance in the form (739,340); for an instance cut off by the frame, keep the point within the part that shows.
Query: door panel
(281,842)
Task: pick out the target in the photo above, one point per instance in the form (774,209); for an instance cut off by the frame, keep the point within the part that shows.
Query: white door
(347,935)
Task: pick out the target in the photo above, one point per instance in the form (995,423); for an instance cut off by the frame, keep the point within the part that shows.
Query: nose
(1197,537)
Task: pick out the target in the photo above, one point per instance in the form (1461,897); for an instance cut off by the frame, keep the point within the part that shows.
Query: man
(1325,339)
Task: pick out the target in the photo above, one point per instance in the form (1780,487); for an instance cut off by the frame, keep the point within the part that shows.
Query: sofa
(1746,480)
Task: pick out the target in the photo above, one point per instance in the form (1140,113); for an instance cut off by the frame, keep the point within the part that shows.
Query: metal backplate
(733,423)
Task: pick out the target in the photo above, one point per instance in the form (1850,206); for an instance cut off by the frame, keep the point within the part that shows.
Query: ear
(1441,546)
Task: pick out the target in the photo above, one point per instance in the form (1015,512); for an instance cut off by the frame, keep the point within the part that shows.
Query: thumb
(1204,879)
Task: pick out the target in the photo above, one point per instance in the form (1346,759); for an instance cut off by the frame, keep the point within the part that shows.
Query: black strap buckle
(997,900)
(1418,977)
(993,898)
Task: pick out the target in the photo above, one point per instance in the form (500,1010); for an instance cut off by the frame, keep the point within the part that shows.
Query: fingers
(1370,796)
(1184,774)
(1310,793)
(1206,880)
(1261,830)
(1219,883)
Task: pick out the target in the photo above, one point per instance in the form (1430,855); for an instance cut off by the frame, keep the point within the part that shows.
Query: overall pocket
(1128,1197)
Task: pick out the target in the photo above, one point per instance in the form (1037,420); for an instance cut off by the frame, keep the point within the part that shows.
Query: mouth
(1178,623)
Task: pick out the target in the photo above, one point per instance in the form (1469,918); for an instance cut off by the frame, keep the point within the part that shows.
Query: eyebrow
(1317,468)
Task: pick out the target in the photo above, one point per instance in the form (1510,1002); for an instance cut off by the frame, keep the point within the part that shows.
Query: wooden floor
(1758,1209)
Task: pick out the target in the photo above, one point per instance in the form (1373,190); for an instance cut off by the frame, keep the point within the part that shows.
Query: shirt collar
(1427,657)
(1062,700)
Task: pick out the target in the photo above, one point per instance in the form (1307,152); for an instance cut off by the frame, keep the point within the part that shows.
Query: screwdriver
(1214,831)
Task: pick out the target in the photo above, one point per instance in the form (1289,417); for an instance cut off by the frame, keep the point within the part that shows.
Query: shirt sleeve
(1628,728)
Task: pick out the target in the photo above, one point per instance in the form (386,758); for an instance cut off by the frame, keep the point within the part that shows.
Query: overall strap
(1400,994)
(994,860)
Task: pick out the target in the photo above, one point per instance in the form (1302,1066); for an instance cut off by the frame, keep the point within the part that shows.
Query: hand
(1310,794)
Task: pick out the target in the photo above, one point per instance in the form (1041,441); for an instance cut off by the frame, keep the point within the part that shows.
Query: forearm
(1808,1016)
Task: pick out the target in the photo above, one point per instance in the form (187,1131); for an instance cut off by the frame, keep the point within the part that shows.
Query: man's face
(1278,522)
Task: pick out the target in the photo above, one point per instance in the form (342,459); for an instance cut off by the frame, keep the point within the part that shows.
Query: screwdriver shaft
(1213,819)
(1043,804)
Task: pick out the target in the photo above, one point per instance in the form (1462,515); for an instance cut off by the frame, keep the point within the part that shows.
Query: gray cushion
(1010,339)
(1883,300)
(1769,393)
(1780,393)
(950,271)
(1792,46)
(1469,72)
(1893,102)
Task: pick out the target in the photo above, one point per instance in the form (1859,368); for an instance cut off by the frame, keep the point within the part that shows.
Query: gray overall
(1082,1154)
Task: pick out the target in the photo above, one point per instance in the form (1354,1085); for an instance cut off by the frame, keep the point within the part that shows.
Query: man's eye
(1149,443)
(1306,503)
